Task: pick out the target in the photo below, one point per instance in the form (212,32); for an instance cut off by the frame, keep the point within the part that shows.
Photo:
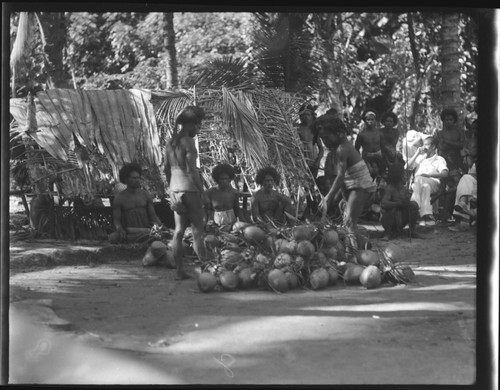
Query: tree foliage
(350,60)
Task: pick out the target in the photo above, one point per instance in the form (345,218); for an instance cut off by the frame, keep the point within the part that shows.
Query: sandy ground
(114,321)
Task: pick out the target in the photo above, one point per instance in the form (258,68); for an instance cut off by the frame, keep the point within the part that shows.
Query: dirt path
(118,322)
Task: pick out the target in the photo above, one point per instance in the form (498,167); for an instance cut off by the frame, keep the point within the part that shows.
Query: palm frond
(167,106)
(247,130)
(283,49)
(278,111)
(220,72)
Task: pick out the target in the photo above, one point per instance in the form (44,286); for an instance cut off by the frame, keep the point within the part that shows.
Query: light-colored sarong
(358,177)
(226,217)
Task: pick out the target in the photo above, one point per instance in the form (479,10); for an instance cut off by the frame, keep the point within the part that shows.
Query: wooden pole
(196,139)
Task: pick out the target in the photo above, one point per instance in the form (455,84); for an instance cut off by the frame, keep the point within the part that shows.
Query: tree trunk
(54,42)
(450,66)
(170,52)
(325,30)
(290,26)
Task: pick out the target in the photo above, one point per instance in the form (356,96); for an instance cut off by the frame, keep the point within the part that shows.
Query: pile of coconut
(310,256)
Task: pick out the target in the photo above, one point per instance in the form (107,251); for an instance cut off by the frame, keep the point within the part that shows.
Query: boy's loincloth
(225,217)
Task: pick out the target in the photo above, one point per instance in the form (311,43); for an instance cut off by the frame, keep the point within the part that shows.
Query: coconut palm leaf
(150,139)
(18,109)
(107,138)
(167,106)
(278,110)
(223,72)
(112,98)
(70,101)
(246,129)
(282,51)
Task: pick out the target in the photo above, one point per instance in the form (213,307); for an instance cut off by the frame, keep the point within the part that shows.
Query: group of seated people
(134,214)
(432,167)
(436,168)
(433,162)
(222,204)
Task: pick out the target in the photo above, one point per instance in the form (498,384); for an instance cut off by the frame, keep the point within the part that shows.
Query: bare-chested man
(389,137)
(398,210)
(353,177)
(469,151)
(369,139)
(222,202)
(268,203)
(133,210)
(311,144)
(185,186)
(451,139)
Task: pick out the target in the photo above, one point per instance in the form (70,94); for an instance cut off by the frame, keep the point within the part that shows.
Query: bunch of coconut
(395,265)
(300,256)
(158,253)
(324,264)
(282,259)
(274,263)
(234,254)
(372,268)
(364,271)
(305,255)
(217,278)
(248,253)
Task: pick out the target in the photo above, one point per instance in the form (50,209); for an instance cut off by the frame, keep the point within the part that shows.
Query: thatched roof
(120,124)
(96,131)
(100,129)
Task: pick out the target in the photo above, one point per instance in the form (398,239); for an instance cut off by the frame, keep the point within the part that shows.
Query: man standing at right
(451,140)
(312,146)
(430,169)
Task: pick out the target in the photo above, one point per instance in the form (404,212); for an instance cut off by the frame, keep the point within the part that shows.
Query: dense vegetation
(346,60)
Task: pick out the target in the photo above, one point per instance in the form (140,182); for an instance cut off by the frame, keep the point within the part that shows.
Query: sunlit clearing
(448,268)
(444,274)
(253,334)
(38,356)
(450,286)
(409,306)
(265,295)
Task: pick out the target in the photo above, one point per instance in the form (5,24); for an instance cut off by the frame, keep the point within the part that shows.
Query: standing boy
(353,177)
(185,186)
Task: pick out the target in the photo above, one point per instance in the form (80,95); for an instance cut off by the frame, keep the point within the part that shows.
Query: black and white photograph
(247,196)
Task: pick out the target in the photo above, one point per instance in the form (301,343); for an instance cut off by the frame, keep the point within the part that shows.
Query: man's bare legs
(354,208)
(194,215)
(181,221)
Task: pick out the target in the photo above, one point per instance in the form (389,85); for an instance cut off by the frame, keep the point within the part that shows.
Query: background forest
(414,63)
